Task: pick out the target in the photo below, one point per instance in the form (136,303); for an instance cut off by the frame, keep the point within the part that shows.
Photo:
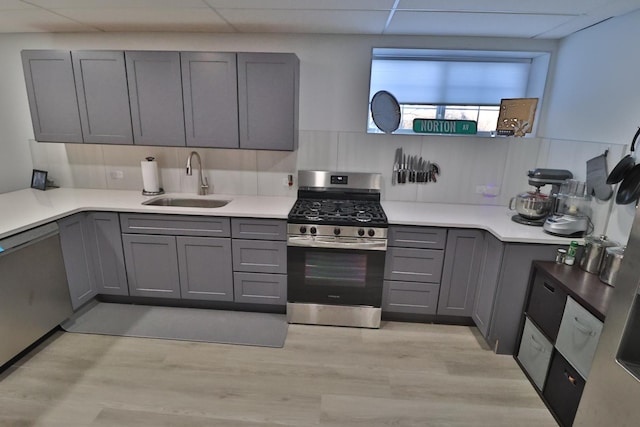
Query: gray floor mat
(186,324)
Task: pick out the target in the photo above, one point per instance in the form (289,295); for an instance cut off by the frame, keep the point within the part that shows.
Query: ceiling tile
(14,5)
(156,19)
(38,21)
(304,4)
(299,21)
(543,7)
(472,24)
(117,4)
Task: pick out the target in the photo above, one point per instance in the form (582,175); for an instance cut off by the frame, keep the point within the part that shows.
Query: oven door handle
(319,242)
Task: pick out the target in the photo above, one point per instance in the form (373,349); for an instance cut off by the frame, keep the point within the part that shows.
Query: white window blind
(438,81)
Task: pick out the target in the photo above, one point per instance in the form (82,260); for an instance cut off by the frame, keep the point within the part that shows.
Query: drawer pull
(585,329)
(536,345)
(571,379)
(549,287)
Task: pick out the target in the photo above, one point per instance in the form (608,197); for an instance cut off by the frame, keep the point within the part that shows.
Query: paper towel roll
(150,179)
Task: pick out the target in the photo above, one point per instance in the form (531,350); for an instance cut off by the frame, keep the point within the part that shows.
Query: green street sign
(460,127)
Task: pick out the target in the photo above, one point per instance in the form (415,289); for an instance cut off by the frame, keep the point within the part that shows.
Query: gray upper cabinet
(209,82)
(52,97)
(460,272)
(205,268)
(74,240)
(268,100)
(103,96)
(105,246)
(155,94)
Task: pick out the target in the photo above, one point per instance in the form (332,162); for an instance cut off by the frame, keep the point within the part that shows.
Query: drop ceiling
(543,19)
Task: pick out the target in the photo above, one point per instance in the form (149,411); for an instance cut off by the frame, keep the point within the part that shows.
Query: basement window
(455,84)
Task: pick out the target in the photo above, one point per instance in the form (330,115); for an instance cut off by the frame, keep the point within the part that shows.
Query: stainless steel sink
(186,202)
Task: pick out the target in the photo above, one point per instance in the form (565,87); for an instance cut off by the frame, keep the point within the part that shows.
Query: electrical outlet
(480,189)
(491,190)
(116,174)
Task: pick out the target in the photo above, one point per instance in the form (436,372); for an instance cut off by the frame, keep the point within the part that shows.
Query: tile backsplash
(467,165)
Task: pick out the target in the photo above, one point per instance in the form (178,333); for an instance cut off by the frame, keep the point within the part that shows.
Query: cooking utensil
(594,252)
(531,204)
(412,169)
(419,172)
(611,264)
(399,177)
(629,189)
(396,166)
(597,176)
(435,170)
(403,174)
(385,111)
(624,166)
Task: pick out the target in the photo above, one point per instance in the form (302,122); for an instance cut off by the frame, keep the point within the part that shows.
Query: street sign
(459,127)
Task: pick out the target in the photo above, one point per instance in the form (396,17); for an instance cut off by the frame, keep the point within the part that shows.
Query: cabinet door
(413,265)
(410,297)
(103,97)
(205,268)
(268,100)
(152,265)
(52,95)
(546,304)
(74,240)
(460,272)
(210,91)
(487,283)
(259,288)
(259,256)
(417,237)
(106,253)
(155,95)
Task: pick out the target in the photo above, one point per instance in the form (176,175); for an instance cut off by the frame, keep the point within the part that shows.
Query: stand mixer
(572,212)
(534,207)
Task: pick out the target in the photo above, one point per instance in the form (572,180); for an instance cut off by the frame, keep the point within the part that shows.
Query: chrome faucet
(203,184)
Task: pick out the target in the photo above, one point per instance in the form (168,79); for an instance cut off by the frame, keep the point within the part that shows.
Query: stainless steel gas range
(336,246)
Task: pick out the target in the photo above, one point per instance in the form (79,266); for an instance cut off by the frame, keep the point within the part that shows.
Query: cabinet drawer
(259,256)
(260,288)
(410,297)
(546,305)
(418,237)
(258,229)
(578,336)
(563,389)
(175,225)
(535,353)
(414,265)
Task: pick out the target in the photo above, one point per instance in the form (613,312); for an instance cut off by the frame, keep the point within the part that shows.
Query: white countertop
(24,209)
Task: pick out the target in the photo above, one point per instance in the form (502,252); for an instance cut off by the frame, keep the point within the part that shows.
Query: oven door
(339,276)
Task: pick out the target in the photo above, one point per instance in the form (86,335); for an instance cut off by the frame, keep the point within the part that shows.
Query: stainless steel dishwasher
(34,295)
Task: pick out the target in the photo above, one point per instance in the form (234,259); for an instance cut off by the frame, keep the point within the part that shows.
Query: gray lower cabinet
(103,96)
(413,265)
(268,100)
(487,282)
(52,97)
(155,96)
(105,249)
(259,260)
(152,265)
(74,239)
(410,297)
(462,261)
(205,268)
(209,89)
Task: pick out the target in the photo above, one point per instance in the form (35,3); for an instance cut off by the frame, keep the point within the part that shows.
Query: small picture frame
(39,179)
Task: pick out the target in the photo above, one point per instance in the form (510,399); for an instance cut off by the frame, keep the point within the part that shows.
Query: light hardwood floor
(401,375)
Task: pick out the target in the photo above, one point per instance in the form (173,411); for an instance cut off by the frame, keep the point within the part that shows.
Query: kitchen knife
(403,174)
(412,167)
(396,166)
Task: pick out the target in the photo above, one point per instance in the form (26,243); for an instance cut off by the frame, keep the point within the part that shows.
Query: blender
(572,212)
(533,207)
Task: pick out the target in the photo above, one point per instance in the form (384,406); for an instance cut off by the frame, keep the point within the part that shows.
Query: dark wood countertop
(585,288)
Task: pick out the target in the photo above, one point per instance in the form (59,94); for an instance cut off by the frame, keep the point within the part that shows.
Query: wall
(594,101)
(334,89)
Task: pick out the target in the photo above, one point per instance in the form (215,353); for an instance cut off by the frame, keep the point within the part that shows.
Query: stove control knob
(361,232)
(336,231)
(303,229)
(372,232)
(313,230)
